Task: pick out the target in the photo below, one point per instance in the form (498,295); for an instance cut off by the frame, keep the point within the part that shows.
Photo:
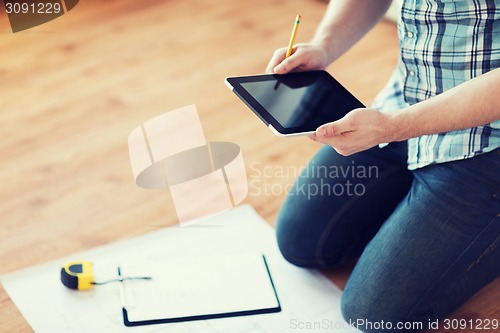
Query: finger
(333,129)
(288,64)
(277,57)
(340,143)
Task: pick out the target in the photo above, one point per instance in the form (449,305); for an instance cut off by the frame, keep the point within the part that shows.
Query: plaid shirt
(444,43)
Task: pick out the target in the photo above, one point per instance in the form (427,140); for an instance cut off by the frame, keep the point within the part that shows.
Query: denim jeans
(426,239)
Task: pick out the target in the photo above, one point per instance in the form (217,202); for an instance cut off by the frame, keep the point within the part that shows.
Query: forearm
(470,104)
(345,22)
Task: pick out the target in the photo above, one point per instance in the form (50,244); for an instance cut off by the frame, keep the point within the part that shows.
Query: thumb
(288,64)
(333,129)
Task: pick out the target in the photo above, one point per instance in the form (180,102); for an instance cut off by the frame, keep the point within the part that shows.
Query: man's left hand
(358,130)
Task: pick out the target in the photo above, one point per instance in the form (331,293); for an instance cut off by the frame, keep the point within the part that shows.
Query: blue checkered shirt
(444,43)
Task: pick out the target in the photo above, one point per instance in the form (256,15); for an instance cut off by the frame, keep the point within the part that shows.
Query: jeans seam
(492,247)
(334,220)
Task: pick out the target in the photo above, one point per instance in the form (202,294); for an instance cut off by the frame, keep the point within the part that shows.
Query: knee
(300,242)
(353,309)
(297,240)
(296,250)
(358,310)
(371,310)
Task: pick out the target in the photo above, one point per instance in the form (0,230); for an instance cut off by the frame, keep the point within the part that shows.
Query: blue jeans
(426,239)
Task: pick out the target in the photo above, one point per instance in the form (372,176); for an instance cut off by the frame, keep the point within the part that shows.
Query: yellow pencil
(292,37)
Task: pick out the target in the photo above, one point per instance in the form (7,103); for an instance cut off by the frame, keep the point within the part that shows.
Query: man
(427,226)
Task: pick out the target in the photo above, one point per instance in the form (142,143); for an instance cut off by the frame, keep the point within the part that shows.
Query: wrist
(398,125)
(324,43)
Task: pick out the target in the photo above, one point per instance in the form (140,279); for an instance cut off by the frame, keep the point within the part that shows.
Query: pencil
(292,37)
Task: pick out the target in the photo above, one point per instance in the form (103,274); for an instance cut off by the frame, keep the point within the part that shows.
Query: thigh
(435,251)
(338,203)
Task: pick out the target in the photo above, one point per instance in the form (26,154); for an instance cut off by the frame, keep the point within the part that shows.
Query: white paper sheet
(309,301)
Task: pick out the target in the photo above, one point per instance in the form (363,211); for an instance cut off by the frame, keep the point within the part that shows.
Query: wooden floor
(72,90)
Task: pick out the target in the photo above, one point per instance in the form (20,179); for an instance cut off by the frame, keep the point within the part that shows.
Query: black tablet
(294,103)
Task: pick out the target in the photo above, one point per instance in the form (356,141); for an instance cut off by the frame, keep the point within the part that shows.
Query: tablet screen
(297,102)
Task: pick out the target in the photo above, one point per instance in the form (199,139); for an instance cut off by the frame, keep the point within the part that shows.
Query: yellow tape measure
(79,275)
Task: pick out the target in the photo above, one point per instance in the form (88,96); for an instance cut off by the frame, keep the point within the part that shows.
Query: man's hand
(359,130)
(304,57)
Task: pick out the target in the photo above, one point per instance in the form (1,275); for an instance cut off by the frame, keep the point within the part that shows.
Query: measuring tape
(79,275)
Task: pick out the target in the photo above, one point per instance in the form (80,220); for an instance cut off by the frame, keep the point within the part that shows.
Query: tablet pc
(294,103)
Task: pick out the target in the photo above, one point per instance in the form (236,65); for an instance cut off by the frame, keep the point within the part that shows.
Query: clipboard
(198,288)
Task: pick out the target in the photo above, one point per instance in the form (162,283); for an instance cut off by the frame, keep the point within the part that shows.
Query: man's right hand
(343,24)
(305,57)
